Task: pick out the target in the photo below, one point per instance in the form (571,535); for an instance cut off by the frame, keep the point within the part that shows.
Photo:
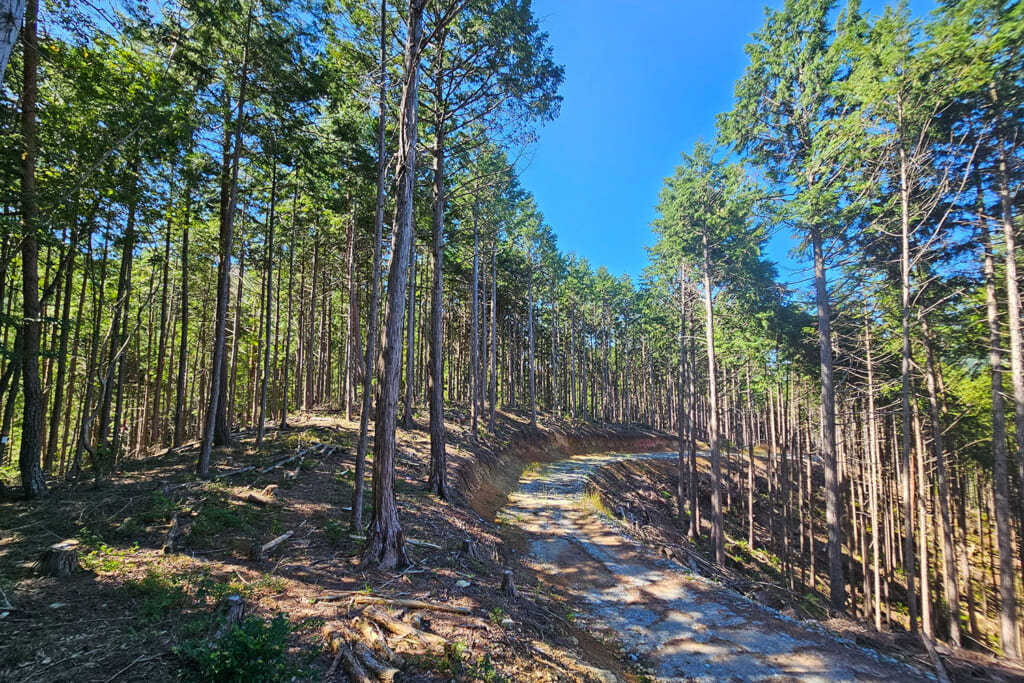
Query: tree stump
(60,559)
(508,584)
(469,547)
(234,611)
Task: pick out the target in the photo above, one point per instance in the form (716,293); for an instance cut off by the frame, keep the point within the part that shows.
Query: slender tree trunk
(227,224)
(681,467)
(837,587)
(385,546)
(474,334)
(32,427)
(494,341)
(1008,635)
(717,521)
(62,352)
(179,406)
(378,236)
(438,479)
(269,268)
(288,325)
(410,342)
(950,585)
(533,377)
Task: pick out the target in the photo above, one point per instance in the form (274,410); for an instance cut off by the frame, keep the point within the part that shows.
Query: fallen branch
(279,463)
(940,669)
(234,472)
(257,551)
(361,598)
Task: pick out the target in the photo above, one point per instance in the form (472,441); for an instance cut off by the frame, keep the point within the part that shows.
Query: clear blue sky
(643,81)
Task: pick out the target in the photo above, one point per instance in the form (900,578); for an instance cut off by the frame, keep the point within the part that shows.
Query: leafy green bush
(252,652)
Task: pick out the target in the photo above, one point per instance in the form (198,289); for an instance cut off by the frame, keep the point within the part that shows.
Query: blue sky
(644,80)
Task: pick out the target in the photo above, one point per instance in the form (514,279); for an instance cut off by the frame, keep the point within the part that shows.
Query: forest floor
(634,498)
(133,612)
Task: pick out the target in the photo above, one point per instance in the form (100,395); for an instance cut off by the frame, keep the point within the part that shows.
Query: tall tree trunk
(717,521)
(950,584)
(288,325)
(1008,636)
(437,481)
(378,236)
(837,586)
(227,224)
(474,334)
(533,377)
(32,428)
(385,545)
(179,405)
(268,306)
(681,467)
(156,420)
(62,352)
(494,341)
(408,422)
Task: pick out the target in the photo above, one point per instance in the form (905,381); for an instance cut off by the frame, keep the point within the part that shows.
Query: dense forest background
(216,214)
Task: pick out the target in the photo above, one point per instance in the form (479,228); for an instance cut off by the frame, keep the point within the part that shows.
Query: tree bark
(385,545)
(837,587)
(1008,635)
(32,428)
(717,521)
(438,478)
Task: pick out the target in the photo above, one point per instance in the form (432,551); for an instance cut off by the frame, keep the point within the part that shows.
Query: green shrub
(252,652)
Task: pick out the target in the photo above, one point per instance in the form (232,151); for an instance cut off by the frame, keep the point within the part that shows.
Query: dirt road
(683,628)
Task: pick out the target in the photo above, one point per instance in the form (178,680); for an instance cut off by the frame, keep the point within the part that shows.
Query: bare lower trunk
(717,521)
(837,587)
(437,481)
(385,545)
(32,428)
(1009,638)
(950,584)
(378,236)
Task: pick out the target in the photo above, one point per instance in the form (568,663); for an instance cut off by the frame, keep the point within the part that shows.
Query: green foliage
(159,593)
(252,651)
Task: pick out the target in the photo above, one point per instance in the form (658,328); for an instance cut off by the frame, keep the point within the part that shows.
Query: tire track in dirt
(683,627)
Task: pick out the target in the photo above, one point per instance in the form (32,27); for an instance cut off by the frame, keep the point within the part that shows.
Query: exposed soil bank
(487,480)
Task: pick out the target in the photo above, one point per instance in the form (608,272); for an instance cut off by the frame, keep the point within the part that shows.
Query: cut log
(336,637)
(371,635)
(508,584)
(402,629)
(258,551)
(383,672)
(255,498)
(59,560)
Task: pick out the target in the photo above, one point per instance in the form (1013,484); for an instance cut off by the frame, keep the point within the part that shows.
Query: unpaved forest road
(682,627)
